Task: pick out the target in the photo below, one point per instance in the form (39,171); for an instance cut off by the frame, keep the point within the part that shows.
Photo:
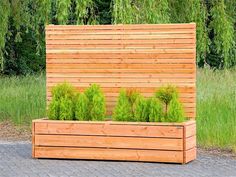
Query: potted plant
(142,129)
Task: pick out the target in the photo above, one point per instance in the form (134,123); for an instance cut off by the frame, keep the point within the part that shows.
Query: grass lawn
(216,109)
(24,98)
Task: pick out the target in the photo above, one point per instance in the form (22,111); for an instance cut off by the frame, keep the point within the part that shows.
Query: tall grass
(22,98)
(216,108)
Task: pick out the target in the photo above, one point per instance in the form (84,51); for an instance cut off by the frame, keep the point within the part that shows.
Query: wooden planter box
(126,141)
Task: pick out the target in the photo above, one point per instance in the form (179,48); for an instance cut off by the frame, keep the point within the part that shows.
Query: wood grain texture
(124,56)
(109,154)
(190,155)
(33,139)
(109,142)
(109,129)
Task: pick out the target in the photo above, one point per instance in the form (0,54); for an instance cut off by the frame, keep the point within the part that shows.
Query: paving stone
(15,160)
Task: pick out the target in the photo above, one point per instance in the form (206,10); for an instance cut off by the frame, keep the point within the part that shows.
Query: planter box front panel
(155,142)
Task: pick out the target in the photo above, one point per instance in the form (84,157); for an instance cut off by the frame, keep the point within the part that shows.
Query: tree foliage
(81,107)
(96,103)
(141,111)
(222,27)
(123,108)
(140,11)
(155,110)
(62,104)
(22,22)
(175,112)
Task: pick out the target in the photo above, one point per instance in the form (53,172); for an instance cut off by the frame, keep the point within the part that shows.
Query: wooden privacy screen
(144,57)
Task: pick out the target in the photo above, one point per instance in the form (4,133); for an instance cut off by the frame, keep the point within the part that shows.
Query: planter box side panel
(190,151)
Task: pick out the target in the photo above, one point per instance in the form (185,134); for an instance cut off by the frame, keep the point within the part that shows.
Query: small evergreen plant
(54,109)
(165,95)
(123,108)
(81,107)
(66,109)
(141,109)
(62,104)
(96,103)
(175,112)
(132,95)
(155,110)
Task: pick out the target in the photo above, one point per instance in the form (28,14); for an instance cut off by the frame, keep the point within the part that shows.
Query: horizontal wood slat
(101,129)
(109,142)
(109,154)
(119,61)
(190,155)
(131,26)
(115,56)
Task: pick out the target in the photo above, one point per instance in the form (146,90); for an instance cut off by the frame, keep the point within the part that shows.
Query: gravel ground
(15,160)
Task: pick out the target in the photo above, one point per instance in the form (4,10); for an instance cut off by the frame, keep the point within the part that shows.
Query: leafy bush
(141,109)
(61,107)
(96,100)
(165,94)
(175,112)
(123,109)
(132,95)
(54,109)
(63,90)
(66,109)
(81,107)
(155,110)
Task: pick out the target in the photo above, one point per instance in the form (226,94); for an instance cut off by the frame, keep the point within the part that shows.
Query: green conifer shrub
(98,109)
(155,110)
(141,109)
(96,103)
(62,104)
(66,109)
(54,110)
(122,111)
(175,112)
(132,95)
(165,95)
(63,90)
(81,107)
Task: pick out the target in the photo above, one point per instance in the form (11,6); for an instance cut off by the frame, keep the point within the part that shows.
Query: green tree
(81,107)
(155,110)
(54,109)
(123,109)
(66,108)
(96,99)
(186,11)
(140,11)
(222,27)
(175,112)
(4,16)
(62,104)
(141,111)
(165,94)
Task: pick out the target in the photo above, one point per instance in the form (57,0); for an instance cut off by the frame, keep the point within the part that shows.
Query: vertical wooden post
(33,139)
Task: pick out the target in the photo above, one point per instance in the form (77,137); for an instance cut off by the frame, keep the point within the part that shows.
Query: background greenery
(23,98)
(22,52)
(22,45)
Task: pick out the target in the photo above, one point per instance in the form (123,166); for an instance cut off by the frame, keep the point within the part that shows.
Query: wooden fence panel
(115,56)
